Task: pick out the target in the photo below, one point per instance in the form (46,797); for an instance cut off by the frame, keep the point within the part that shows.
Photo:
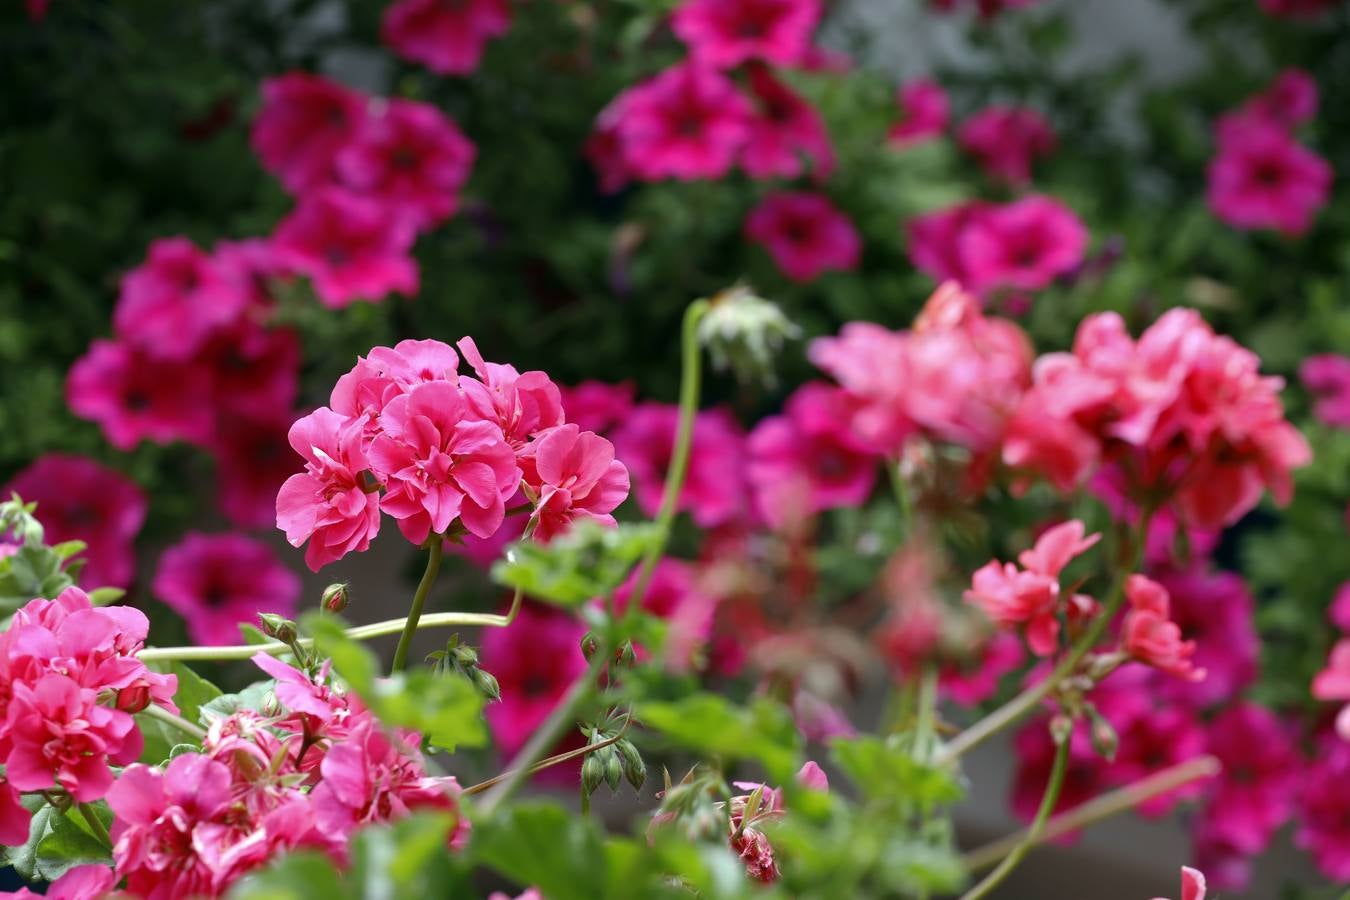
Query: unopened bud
(1061,729)
(634,770)
(271,707)
(466,655)
(335,598)
(613,769)
(627,655)
(590,645)
(1104,738)
(133,699)
(275,626)
(486,683)
(592,773)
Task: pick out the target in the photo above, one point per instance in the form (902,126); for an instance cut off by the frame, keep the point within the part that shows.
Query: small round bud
(634,770)
(592,773)
(275,626)
(133,699)
(271,707)
(335,598)
(613,769)
(1061,728)
(590,645)
(627,655)
(486,683)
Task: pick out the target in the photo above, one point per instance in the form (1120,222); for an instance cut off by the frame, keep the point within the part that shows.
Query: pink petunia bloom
(328,504)
(1216,610)
(785,132)
(171,304)
(134,397)
(1007,140)
(522,404)
(1261,178)
(925,113)
(1339,610)
(604,147)
(976,681)
(1327,378)
(574,475)
(254,370)
(350,247)
(1323,828)
(1192,884)
(409,157)
(726,33)
(675,595)
(808,459)
(1333,683)
(715,487)
(1024,245)
(1152,738)
(1290,101)
(253,461)
(934,240)
(252,268)
(79,499)
(441,463)
(805,234)
(1151,636)
(689,122)
(448,38)
(217,581)
(304,121)
(597,405)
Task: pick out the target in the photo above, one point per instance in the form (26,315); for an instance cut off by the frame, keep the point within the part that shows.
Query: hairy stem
(158,712)
(419,600)
(95,824)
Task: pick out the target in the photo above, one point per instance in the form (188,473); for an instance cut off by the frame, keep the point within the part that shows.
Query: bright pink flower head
(1254,794)
(805,234)
(327,504)
(441,463)
(305,120)
(134,397)
(1327,378)
(575,476)
(977,680)
(1333,683)
(596,405)
(254,370)
(217,581)
(1023,245)
(1290,101)
(784,130)
(934,240)
(1151,636)
(1216,610)
(409,157)
(79,499)
(808,460)
(689,122)
(350,247)
(675,595)
(925,113)
(1261,178)
(714,487)
(522,404)
(1151,738)
(1007,140)
(604,147)
(1192,884)
(448,38)
(1323,828)
(253,461)
(726,33)
(252,268)
(388,372)
(173,302)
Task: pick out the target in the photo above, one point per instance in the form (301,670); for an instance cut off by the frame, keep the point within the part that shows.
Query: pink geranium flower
(1216,610)
(215,582)
(1262,178)
(574,475)
(785,131)
(134,397)
(350,247)
(1323,829)
(1327,378)
(1151,636)
(173,302)
(448,38)
(805,234)
(1192,884)
(79,499)
(388,372)
(726,33)
(1024,245)
(522,404)
(303,123)
(1007,140)
(596,405)
(925,113)
(328,504)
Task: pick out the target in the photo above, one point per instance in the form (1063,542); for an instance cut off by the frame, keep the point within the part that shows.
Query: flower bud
(590,645)
(634,770)
(627,656)
(1104,738)
(613,769)
(743,332)
(1061,728)
(275,626)
(133,699)
(486,683)
(335,598)
(592,773)
(271,707)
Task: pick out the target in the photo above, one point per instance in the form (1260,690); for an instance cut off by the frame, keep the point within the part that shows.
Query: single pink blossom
(925,113)
(1149,633)
(1255,791)
(1261,178)
(574,475)
(805,234)
(1024,245)
(134,397)
(304,121)
(726,33)
(934,240)
(171,304)
(448,38)
(1007,140)
(785,132)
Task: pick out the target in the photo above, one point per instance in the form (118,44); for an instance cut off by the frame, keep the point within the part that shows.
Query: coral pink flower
(976,681)
(1254,793)
(1024,245)
(575,476)
(173,302)
(253,461)
(805,234)
(522,404)
(327,504)
(441,463)
(303,123)
(215,582)
(1323,828)
(688,122)
(134,397)
(78,499)
(1151,636)
(1327,378)
(350,247)
(934,240)
(448,38)
(596,405)
(726,33)
(714,488)
(925,113)
(1333,683)
(1192,884)
(808,460)
(1261,178)
(1006,140)
(410,157)
(784,130)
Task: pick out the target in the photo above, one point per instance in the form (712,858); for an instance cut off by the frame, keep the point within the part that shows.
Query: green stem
(546,763)
(1048,801)
(95,824)
(925,728)
(158,712)
(419,600)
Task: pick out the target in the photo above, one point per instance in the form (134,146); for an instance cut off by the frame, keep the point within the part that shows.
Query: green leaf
(712,725)
(56,843)
(882,768)
(540,844)
(405,859)
(105,596)
(296,876)
(251,697)
(588,561)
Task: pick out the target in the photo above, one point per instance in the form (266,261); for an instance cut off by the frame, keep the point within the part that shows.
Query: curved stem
(1033,835)
(95,824)
(546,763)
(183,725)
(419,600)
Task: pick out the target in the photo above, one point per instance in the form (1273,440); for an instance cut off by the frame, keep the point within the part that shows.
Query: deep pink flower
(92,881)
(522,404)
(448,38)
(1333,683)
(596,405)
(173,302)
(805,234)
(1323,827)
(1084,775)
(1216,610)
(15,818)
(1290,101)
(1007,140)
(1024,245)
(726,33)
(255,371)
(925,113)
(1152,738)
(977,680)
(1151,636)
(934,240)
(1192,884)
(574,475)
(1254,794)
(785,129)
(252,268)
(79,499)
(688,122)
(327,504)
(303,123)
(134,397)
(410,157)
(253,461)
(217,581)
(604,147)
(1327,378)
(1261,178)
(675,595)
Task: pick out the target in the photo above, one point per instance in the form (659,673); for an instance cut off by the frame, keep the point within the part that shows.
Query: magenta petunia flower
(977,680)
(726,33)
(1327,378)
(447,38)
(1261,178)
(925,113)
(1151,737)
(934,237)
(1024,245)
(255,371)
(134,397)
(785,132)
(253,460)
(1007,140)
(805,234)
(1323,827)
(1254,794)
(604,147)
(574,475)
(303,122)
(597,405)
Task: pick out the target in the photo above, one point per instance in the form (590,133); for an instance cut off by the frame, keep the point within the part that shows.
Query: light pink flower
(785,129)
(1327,378)
(1007,140)
(171,304)
(726,33)
(574,475)
(1192,884)
(134,397)
(1023,245)
(925,113)
(805,234)
(1261,178)
(448,38)
(303,122)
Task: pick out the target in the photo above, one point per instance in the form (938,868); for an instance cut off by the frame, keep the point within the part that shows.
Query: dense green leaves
(587,562)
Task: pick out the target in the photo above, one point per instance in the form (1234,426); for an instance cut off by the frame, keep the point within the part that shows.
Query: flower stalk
(434,554)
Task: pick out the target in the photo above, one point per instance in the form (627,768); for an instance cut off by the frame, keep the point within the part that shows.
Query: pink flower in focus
(522,404)
(217,581)
(805,234)
(79,499)
(977,681)
(1151,636)
(597,406)
(303,123)
(1006,140)
(574,475)
(133,397)
(448,38)
(784,130)
(1261,178)
(327,504)
(925,113)
(1327,378)
(1323,827)
(1192,884)
(1024,245)
(1254,793)
(173,302)
(388,372)
(1333,683)
(726,33)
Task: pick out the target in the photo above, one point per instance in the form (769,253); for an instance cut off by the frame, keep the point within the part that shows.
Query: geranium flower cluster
(408,435)
(69,684)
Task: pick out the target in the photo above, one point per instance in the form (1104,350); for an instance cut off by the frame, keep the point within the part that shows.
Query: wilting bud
(743,332)
(633,768)
(590,645)
(486,683)
(335,598)
(133,699)
(1104,738)
(613,769)
(275,626)
(592,773)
